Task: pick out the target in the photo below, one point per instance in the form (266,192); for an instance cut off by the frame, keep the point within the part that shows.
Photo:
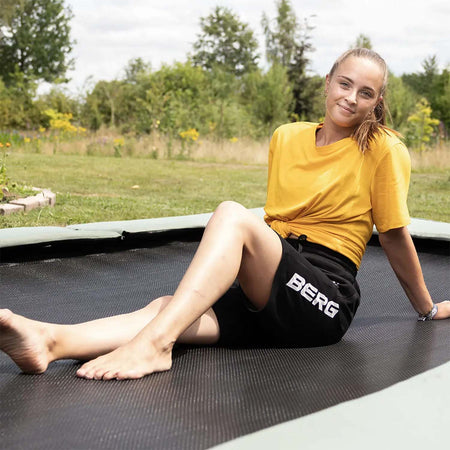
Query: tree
(434,86)
(135,68)
(401,100)
(281,37)
(102,104)
(35,41)
(440,100)
(287,43)
(422,82)
(362,41)
(17,110)
(430,68)
(300,81)
(287,40)
(313,99)
(225,42)
(269,97)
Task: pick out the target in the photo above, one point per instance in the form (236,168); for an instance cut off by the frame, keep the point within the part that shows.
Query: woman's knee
(229,206)
(232,212)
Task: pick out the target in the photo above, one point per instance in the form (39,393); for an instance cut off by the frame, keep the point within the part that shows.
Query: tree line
(220,89)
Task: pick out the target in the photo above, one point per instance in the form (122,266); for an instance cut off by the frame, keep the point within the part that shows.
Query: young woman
(328,184)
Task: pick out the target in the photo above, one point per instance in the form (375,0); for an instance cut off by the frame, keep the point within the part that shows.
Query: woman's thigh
(258,245)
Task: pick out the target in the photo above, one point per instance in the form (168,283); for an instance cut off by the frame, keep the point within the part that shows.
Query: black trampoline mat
(211,395)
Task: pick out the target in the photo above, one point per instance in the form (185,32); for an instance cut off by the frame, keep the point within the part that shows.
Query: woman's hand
(443,310)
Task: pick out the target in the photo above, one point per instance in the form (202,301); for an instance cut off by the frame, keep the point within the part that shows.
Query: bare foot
(130,361)
(25,341)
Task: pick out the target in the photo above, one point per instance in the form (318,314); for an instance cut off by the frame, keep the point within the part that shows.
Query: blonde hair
(375,122)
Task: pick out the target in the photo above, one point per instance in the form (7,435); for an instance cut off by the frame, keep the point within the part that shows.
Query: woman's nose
(351,97)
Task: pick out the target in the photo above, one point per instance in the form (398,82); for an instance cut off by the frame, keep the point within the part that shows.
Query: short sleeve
(272,147)
(389,190)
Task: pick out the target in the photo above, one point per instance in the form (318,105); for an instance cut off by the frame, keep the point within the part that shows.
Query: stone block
(8,208)
(50,196)
(43,201)
(28,203)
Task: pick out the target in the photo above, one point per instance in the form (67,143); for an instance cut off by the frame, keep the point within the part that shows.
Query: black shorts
(312,303)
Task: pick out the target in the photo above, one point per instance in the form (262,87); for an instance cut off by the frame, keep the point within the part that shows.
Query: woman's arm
(402,255)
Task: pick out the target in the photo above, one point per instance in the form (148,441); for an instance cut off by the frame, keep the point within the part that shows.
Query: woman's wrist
(430,315)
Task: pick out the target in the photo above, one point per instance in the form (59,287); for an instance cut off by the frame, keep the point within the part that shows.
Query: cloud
(110,32)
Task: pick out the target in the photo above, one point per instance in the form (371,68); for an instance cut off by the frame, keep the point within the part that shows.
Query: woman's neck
(329,134)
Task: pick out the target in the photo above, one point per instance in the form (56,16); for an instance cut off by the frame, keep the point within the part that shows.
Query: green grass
(94,189)
(429,195)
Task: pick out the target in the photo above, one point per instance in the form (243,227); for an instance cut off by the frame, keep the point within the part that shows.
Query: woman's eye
(366,94)
(344,84)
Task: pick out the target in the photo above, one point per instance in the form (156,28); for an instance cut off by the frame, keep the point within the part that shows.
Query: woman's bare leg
(235,243)
(33,345)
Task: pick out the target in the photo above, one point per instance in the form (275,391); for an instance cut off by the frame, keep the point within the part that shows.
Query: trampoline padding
(211,395)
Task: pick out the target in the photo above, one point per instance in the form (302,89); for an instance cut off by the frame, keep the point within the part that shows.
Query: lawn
(92,189)
(98,188)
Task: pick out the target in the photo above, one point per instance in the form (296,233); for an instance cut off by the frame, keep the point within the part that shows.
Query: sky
(109,33)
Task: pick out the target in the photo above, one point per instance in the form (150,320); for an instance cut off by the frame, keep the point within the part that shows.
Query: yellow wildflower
(191,134)
(233,139)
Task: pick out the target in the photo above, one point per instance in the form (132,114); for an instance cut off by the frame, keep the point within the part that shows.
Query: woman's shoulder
(389,138)
(389,145)
(294,128)
(388,141)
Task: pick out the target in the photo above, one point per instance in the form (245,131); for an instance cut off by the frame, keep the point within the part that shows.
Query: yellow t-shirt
(335,193)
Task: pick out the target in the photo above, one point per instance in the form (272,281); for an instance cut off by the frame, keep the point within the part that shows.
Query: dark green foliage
(287,44)
(17,108)
(35,41)
(219,91)
(434,85)
(440,98)
(401,100)
(225,42)
(269,98)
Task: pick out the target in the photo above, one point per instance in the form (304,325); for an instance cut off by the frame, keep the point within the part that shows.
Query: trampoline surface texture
(211,395)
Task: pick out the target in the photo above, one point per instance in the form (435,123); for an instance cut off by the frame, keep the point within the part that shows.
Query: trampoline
(212,395)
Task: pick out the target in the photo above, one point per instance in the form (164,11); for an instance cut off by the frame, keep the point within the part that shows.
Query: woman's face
(353,91)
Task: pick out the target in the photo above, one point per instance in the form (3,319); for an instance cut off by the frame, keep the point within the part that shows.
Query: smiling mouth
(348,110)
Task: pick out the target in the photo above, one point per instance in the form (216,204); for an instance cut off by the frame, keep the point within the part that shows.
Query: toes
(128,375)
(99,373)
(97,370)
(87,371)
(84,374)
(110,375)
